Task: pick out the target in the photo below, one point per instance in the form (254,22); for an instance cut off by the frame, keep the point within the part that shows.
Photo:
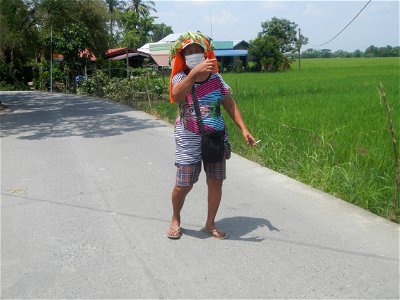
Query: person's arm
(199,73)
(233,110)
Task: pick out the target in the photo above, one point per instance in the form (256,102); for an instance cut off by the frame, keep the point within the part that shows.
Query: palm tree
(142,8)
(112,6)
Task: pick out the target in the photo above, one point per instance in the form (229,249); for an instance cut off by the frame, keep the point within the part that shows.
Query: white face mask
(194,59)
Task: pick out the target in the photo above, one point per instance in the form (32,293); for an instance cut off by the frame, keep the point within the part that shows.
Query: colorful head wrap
(175,53)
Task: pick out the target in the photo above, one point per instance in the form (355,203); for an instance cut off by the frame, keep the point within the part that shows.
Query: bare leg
(214,199)
(178,199)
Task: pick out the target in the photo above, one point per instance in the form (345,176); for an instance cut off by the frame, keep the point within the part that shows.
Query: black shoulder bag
(212,142)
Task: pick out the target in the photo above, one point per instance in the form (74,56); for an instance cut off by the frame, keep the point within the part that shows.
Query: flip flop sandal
(216,233)
(174,233)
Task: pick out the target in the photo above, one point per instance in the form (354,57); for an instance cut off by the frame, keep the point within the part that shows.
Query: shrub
(18,86)
(146,85)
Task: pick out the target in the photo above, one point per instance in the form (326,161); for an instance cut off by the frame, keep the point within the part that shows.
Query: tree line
(371,51)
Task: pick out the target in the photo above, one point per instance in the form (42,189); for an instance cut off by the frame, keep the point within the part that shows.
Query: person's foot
(215,233)
(174,233)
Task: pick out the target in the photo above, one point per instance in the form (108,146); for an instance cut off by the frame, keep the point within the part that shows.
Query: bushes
(18,86)
(143,85)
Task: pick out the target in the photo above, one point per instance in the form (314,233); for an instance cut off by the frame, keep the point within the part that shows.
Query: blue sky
(378,23)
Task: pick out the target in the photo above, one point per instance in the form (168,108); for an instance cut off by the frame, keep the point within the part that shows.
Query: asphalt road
(85,205)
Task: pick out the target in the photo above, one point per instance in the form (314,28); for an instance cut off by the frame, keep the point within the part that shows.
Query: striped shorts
(187,175)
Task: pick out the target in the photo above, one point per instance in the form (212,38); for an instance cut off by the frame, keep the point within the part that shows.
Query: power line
(344,27)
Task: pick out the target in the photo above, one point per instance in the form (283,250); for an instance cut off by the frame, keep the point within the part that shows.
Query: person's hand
(250,140)
(204,68)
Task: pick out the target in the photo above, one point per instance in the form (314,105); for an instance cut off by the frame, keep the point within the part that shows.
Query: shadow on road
(238,228)
(35,116)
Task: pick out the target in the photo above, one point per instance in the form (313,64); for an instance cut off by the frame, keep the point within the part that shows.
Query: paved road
(85,204)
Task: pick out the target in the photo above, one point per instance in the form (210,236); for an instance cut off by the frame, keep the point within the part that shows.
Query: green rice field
(324,125)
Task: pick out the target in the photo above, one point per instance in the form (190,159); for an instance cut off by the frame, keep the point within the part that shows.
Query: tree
(76,25)
(311,53)
(113,7)
(371,51)
(160,31)
(285,32)
(142,8)
(341,53)
(18,38)
(358,53)
(265,52)
(90,14)
(326,53)
(136,28)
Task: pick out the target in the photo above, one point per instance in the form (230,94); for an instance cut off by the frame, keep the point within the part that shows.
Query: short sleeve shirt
(210,95)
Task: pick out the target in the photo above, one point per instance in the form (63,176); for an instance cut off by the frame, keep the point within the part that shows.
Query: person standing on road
(195,67)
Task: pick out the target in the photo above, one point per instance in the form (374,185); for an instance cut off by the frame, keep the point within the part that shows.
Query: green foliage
(143,85)
(141,7)
(285,32)
(264,52)
(239,67)
(17,86)
(136,28)
(89,16)
(18,38)
(94,85)
(41,75)
(160,31)
(371,51)
(387,51)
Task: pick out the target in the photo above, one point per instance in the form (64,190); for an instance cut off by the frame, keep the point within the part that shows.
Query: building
(228,53)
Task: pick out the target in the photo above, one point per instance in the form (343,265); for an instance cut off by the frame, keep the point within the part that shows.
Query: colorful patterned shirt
(210,94)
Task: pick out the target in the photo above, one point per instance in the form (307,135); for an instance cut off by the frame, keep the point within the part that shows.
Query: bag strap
(197,109)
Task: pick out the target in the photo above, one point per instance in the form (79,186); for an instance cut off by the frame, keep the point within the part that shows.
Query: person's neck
(203,77)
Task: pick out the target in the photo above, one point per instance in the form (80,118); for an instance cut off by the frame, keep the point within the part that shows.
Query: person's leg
(214,199)
(186,176)
(216,173)
(179,194)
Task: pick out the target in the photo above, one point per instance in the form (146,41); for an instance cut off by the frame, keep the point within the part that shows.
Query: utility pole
(51,58)
(211,26)
(127,62)
(299,48)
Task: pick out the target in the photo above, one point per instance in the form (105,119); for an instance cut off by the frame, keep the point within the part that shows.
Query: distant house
(228,53)
(133,57)
(159,51)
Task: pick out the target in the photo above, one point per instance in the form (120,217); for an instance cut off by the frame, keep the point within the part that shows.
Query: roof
(123,56)
(223,45)
(170,38)
(231,52)
(119,51)
(156,47)
(145,48)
